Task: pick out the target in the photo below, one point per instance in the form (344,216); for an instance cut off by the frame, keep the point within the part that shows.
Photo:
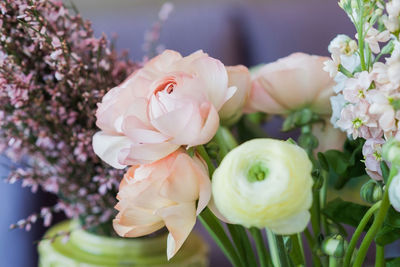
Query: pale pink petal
(204,183)
(215,78)
(113,106)
(239,77)
(209,129)
(138,132)
(146,153)
(180,220)
(173,123)
(261,100)
(108,148)
(164,61)
(182,184)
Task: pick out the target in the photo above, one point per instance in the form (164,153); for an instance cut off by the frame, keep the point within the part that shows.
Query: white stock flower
(373,37)
(391,21)
(338,103)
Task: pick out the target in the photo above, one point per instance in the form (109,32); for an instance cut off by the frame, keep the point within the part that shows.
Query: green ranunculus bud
(334,246)
(371,192)
(303,117)
(308,140)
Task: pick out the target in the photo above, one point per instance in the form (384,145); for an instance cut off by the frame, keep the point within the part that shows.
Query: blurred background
(236,32)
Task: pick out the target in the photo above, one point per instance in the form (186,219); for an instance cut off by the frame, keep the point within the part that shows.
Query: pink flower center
(167,86)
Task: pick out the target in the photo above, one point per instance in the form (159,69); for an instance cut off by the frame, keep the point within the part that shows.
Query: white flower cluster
(367,103)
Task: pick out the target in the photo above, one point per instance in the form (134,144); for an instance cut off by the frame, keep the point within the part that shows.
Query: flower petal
(108,147)
(180,220)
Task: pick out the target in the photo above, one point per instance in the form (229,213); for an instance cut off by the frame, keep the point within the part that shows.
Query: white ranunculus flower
(265,183)
(394,192)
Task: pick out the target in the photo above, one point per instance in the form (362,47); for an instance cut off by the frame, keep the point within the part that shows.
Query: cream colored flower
(265,183)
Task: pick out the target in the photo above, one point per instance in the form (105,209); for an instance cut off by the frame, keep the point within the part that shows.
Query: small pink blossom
(373,37)
(356,120)
(372,151)
(356,88)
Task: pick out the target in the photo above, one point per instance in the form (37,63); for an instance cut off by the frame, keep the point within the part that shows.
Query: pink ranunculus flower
(292,83)
(328,137)
(163,193)
(170,102)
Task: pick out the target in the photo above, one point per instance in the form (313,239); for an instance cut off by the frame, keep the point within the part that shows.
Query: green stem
(243,245)
(316,214)
(277,249)
(353,242)
(333,262)
(263,256)
(297,252)
(311,242)
(380,256)
(360,29)
(217,232)
(203,153)
(300,240)
(224,137)
(345,71)
(378,221)
(213,225)
(323,200)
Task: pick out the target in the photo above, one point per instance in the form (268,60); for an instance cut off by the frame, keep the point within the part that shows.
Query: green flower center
(257,173)
(357,123)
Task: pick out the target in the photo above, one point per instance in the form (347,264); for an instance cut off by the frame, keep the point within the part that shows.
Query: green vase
(90,250)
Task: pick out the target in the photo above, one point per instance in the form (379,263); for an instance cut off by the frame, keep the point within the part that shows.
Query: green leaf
(338,161)
(323,161)
(247,130)
(393,262)
(341,211)
(295,253)
(344,166)
(387,235)
(393,218)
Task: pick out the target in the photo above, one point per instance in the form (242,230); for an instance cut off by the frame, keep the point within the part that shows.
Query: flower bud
(391,151)
(239,77)
(265,183)
(334,246)
(308,141)
(371,192)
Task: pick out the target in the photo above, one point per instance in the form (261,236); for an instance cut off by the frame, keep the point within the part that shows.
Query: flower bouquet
(184,138)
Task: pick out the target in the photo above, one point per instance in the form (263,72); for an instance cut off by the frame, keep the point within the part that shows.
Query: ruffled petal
(180,220)
(108,147)
(291,225)
(146,153)
(182,183)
